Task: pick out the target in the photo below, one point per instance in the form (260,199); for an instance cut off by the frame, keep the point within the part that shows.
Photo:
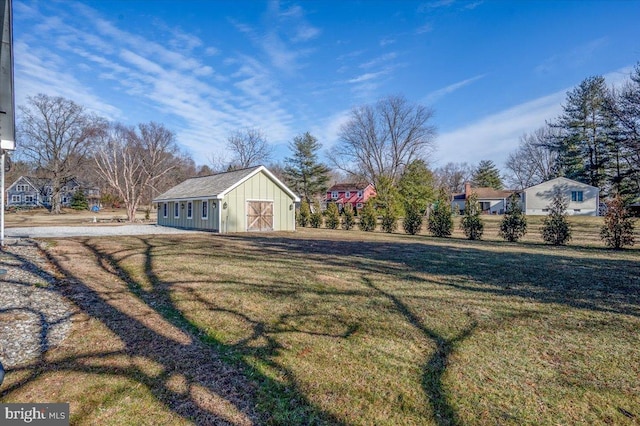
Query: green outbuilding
(247,200)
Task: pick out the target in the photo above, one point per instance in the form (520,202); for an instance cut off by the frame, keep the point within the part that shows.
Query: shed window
(576,195)
(176,210)
(205,210)
(189,210)
(165,209)
(334,194)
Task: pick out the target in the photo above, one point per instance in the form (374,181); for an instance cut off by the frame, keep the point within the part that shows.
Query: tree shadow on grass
(216,386)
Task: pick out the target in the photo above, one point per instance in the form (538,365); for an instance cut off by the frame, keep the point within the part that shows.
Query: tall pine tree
(487,175)
(303,172)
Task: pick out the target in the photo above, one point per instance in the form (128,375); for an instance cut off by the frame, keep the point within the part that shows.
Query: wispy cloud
(436,4)
(426,28)
(169,82)
(495,136)
(573,58)
(437,94)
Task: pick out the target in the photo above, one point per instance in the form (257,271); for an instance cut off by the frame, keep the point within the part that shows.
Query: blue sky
(491,70)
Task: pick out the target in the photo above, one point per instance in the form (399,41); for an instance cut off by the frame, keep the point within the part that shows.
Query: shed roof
(217,185)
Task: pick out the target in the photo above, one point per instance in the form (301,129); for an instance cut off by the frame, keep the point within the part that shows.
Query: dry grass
(69,217)
(335,327)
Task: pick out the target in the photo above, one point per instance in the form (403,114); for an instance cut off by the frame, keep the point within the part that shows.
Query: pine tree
(349,220)
(389,222)
(555,227)
(305,214)
(303,172)
(617,231)
(487,175)
(416,186)
(316,218)
(79,201)
(514,223)
(368,217)
(332,216)
(440,220)
(471,222)
(412,218)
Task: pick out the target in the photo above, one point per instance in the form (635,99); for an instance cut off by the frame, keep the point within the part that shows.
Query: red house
(355,194)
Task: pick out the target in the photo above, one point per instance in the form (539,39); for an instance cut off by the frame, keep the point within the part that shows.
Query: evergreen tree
(586,131)
(305,214)
(514,223)
(316,218)
(79,201)
(349,220)
(304,173)
(368,217)
(617,231)
(412,218)
(440,220)
(555,227)
(416,185)
(471,222)
(487,175)
(389,222)
(332,216)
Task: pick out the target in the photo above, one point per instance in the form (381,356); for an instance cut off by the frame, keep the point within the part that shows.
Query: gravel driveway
(90,231)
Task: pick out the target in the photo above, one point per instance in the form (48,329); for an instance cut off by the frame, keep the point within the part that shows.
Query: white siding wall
(537,198)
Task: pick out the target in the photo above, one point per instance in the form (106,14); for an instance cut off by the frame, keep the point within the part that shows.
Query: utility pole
(7,100)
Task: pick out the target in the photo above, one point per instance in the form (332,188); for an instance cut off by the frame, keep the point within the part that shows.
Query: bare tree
(59,137)
(132,162)
(532,162)
(452,176)
(382,139)
(249,147)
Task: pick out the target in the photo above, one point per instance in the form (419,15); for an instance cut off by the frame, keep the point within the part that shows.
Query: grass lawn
(336,327)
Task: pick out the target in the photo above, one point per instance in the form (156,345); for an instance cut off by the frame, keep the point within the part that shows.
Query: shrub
(440,221)
(349,220)
(555,228)
(471,222)
(389,220)
(368,217)
(316,216)
(412,218)
(617,231)
(79,201)
(333,216)
(305,214)
(514,223)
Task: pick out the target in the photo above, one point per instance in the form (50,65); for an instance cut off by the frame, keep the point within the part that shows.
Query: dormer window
(359,194)
(347,194)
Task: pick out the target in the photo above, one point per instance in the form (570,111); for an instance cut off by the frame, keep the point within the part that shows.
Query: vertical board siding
(210,224)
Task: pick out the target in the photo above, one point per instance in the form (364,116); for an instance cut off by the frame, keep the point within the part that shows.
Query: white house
(492,201)
(583,199)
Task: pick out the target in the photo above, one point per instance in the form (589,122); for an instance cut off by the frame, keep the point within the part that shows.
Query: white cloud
(437,94)
(426,28)
(495,136)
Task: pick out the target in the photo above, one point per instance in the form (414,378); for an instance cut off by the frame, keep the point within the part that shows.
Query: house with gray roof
(246,200)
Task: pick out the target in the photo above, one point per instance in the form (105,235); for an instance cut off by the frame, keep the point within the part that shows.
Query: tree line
(595,140)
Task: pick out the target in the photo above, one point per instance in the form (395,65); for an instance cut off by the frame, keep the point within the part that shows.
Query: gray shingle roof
(205,186)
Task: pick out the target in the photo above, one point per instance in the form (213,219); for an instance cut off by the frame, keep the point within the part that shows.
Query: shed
(246,200)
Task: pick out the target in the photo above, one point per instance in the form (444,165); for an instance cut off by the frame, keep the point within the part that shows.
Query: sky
(490,70)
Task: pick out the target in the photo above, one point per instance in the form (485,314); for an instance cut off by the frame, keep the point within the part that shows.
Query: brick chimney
(467,189)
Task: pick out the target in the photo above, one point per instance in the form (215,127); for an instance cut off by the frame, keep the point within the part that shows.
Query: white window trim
(16,198)
(359,205)
(334,195)
(165,210)
(176,210)
(347,194)
(360,194)
(189,209)
(203,211)
(27,200)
